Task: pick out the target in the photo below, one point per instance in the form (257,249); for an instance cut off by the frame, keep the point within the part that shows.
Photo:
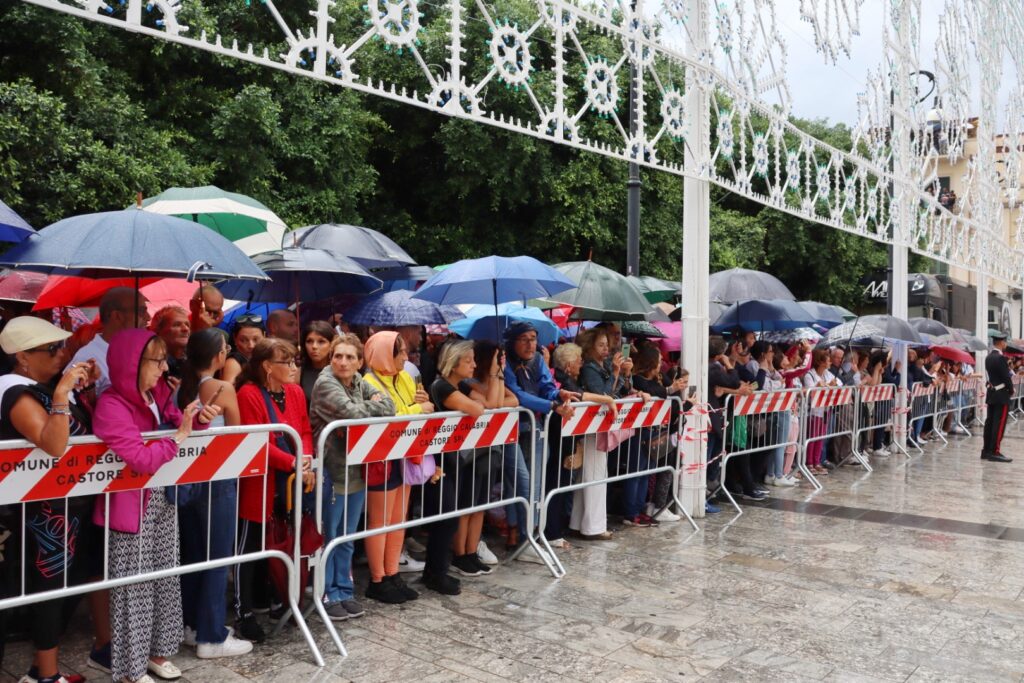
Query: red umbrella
(21,286)
(954,354)
(64,290)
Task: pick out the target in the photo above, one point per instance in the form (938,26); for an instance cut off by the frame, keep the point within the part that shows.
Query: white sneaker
(409,564)
(882,452)
(530,555)
(558,543)
(667,515)
(190,636)
(485,554)
(769,480)
(414,546)
(231,647)
(786,481)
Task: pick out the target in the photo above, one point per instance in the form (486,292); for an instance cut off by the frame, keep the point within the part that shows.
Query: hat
(516,329)
(25,332)
(998,335)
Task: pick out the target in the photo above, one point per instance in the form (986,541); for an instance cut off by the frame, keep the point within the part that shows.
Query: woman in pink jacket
(146,617)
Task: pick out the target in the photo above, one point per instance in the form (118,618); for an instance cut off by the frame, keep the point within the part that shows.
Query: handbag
(417,473)
(609,441)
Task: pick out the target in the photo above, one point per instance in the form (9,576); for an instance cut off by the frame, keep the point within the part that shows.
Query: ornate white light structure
(710,95)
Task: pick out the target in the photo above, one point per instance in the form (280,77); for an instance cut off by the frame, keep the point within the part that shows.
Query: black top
(441,389)
(718,376)
(43,394)
(998,371)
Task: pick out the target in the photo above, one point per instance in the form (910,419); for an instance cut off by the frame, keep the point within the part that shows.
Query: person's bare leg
(46,662)
(474,529)
(99,610)
(459,544)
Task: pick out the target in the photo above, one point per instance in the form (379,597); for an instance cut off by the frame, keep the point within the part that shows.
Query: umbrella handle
(193,272)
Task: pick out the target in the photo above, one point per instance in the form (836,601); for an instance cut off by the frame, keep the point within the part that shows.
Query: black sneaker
(99,658)
(465,565)
(386,592)
(755,495)
(248,628)
(403,587)
(443,584)
(484,569)
(278,612)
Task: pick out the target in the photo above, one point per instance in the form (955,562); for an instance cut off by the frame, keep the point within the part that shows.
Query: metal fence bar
(921,407)
(89,468)
(373,446)
(753,425)
(877,413)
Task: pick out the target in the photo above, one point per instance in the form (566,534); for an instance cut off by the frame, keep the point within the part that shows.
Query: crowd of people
(130,374)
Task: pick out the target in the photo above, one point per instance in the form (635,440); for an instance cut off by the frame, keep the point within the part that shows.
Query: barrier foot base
(335,636)
(728,495)
(296,613)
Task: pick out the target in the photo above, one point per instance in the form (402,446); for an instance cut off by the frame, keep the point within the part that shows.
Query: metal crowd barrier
(839,412)
(601,447)
(877,415)
(921,407)
(469,452)
(949,400)
(30,479)
(1017,400)
(753,425)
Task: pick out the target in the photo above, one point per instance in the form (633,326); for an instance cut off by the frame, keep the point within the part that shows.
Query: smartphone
(625,351)
(691,392)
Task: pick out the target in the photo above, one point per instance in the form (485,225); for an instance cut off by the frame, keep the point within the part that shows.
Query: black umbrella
(740,284)
(715,310)
(931,327)
(973,342)
(878,328)
(367,247)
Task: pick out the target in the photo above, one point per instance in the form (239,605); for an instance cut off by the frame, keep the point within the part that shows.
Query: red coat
(253,411)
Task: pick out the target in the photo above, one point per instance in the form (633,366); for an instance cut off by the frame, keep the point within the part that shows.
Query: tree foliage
(90,115)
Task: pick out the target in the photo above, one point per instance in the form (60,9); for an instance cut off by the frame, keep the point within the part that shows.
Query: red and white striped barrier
(879,392)
(28,474)
(411,438)
(764,402)
(920,390)
(633,415)
(830,398)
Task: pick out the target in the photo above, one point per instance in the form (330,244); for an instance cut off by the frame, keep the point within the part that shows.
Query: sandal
(603,536)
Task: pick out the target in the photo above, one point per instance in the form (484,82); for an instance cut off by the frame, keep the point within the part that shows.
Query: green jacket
(332,400)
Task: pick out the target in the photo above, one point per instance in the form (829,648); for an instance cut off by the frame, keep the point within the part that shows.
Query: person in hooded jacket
(146,617)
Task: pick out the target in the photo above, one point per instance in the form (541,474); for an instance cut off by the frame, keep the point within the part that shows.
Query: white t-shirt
(97,350)
(412,370)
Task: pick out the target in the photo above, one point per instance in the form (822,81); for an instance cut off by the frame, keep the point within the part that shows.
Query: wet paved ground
(912,573)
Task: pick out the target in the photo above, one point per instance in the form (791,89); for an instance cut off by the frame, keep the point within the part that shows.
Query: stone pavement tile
(846,653)
(209,672)
(927,674)
(301,673)
(770,659)
(965,664)
(673,663)
(741,673)
(841,676)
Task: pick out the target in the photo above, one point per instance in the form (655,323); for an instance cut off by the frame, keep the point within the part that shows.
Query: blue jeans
(538,456)
(634,489)
(341,516)
(777,456)
(516,481)
(203,599)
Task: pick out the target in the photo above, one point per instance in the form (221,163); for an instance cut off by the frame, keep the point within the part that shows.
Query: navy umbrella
(302,275)
(493,280)
(366,246)
(825,315)
(13,228)
(400,308)
(763,316)
(133,242)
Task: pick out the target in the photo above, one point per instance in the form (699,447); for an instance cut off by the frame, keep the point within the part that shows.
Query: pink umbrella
(65,290)
(21,286)
(673,340)
(168,292)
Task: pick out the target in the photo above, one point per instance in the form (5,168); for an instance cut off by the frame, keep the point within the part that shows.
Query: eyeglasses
(52,349)
(248,319)
(158,361)
(290,363)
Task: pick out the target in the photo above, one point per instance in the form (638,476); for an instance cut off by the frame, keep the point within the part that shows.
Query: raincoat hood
(380,353)
(124,358)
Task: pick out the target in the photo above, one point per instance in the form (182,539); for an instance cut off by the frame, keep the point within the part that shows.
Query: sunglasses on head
(249,319)
(53,349)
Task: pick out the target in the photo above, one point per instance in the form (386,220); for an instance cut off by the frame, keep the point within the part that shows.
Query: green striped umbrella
(655,289)
(253,227)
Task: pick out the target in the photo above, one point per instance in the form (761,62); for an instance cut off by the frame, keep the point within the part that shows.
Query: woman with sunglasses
(146,617)
(246,332)
(268,394)
(39,405)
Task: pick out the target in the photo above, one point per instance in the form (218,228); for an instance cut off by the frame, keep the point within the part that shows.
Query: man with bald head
(121,308)
(283,324)
(206,308)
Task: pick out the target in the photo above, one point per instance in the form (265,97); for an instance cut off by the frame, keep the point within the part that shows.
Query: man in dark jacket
(997,398)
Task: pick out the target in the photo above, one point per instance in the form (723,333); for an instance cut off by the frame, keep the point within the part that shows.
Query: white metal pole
(696,256)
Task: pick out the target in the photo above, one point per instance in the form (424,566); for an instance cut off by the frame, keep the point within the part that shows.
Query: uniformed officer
(997,398)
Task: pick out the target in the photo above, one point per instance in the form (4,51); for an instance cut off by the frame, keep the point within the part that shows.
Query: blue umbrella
(763,316)
(493,280)
(13,227)
(133,242)
(397,308)
(262,309)
(825,315)
(300,274)
(480,322)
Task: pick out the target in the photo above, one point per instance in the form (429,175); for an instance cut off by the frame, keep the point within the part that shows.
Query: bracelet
(60,411)
(175,440)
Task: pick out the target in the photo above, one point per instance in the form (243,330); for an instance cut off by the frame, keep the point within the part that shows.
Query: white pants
(589,505)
